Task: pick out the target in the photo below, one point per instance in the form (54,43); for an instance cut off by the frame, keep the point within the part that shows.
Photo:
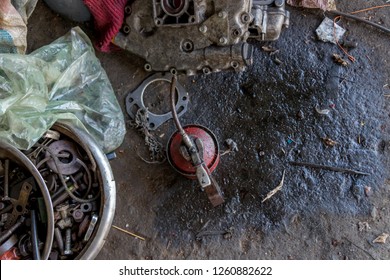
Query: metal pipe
(34,236)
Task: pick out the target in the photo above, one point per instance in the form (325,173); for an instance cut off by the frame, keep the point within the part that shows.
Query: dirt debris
(329,142)
(338,59)
(363,226)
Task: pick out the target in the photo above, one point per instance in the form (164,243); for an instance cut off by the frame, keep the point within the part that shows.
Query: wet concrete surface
(272,111)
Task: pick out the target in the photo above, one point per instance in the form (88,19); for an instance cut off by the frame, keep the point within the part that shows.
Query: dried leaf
(381,238)
(329,142)
(340,60)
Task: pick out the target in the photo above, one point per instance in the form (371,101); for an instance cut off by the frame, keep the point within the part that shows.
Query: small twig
(129,233)
(365,251)
(275,190)
(331,168)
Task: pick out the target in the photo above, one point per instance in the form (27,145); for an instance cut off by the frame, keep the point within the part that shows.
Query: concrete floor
(270,111)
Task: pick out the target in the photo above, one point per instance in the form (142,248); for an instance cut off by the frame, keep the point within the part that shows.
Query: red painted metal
(210,152)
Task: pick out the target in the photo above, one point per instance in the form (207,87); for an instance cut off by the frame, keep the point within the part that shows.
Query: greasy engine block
(193,36)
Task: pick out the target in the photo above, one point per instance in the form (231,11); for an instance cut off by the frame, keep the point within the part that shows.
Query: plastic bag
(61,81)
(13,29)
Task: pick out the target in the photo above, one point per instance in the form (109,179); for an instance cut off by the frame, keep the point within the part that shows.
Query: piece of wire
(351,16)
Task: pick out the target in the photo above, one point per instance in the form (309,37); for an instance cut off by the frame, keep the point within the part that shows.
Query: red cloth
(108,16)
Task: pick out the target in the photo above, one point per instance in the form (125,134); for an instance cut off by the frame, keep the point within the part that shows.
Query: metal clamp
(135,101)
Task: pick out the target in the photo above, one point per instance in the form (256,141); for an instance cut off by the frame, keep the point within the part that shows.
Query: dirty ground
(286,107)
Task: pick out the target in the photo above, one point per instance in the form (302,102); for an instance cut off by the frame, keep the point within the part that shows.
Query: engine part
(179,157)
(135,101)
(269,17)
(193,151)
(67,166)
(193,36)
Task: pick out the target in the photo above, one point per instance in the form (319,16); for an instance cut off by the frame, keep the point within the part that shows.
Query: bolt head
(68,252)
(223,40)
(279,3)
(203,29)
(222,14)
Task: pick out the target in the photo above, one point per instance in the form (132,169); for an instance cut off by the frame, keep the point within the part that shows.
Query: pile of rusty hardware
(50,201)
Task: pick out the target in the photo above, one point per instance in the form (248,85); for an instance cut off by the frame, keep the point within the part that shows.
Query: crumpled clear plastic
(61,81)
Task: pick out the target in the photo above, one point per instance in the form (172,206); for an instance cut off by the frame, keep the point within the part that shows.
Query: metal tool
(91,227)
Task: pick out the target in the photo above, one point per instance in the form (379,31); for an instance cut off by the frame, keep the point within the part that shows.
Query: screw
(60,241)
(68,244)
(203,29)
